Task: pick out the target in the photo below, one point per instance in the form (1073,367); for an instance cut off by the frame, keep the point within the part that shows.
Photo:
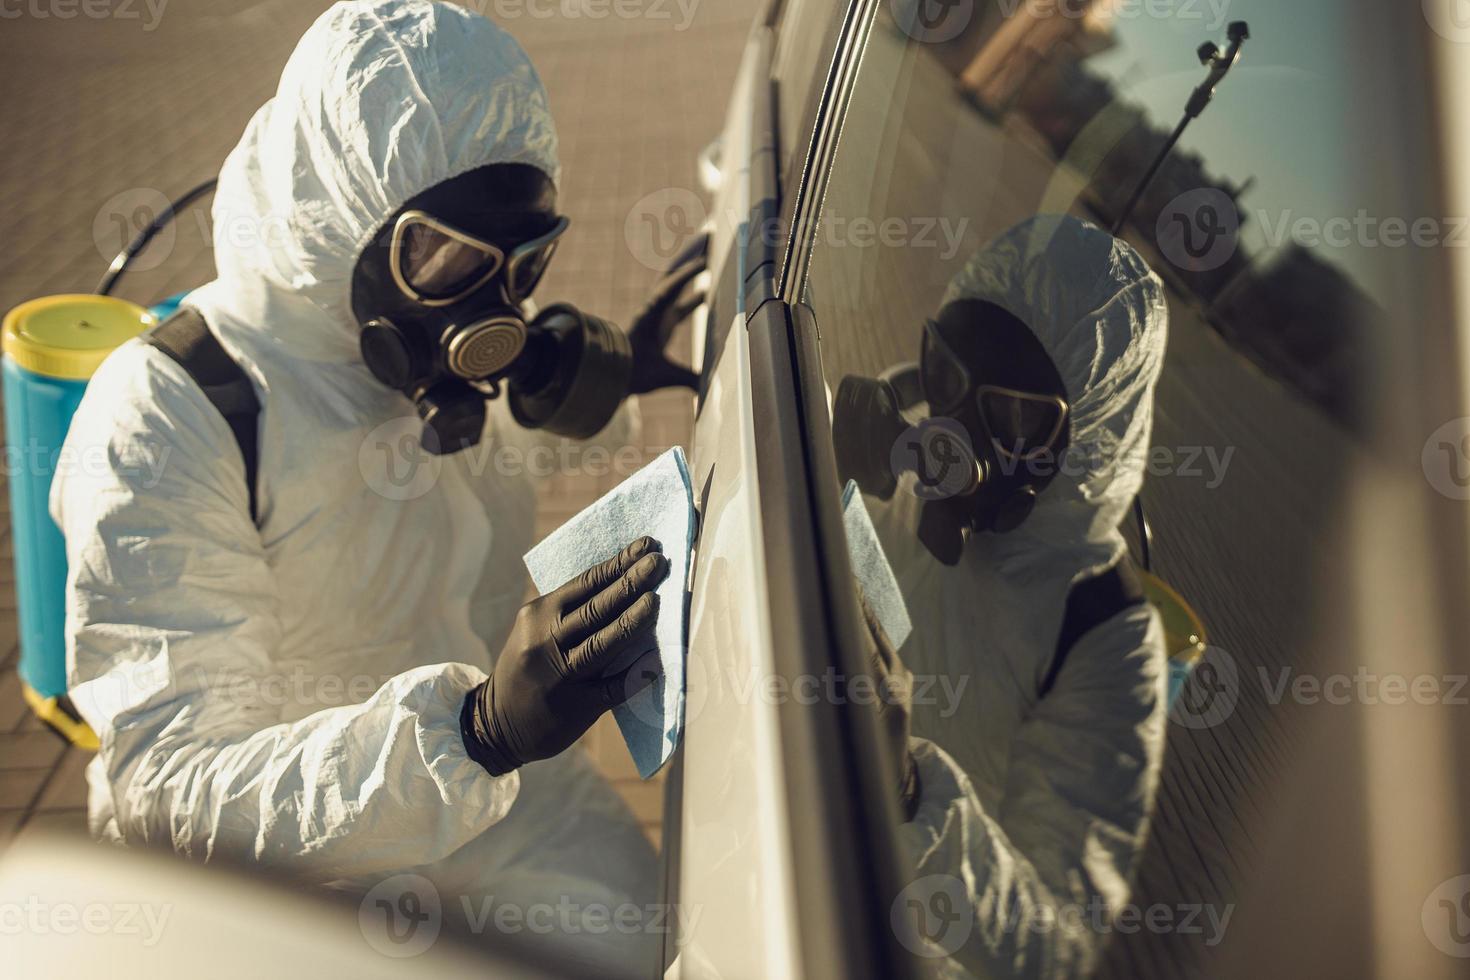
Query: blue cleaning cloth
(657,501)
(871,569)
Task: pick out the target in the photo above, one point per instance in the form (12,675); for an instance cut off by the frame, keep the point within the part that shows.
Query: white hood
(381,100)
(1099,312)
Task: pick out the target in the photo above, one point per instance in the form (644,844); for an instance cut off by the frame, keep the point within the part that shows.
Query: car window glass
(982,165)
(806,38)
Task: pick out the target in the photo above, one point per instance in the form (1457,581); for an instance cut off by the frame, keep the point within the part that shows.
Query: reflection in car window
(807,36)
(995,364)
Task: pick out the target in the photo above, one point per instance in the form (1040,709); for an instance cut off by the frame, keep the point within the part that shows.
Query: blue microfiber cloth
(657,501)
(871,569)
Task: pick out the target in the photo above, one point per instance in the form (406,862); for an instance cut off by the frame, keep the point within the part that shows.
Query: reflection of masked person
(314,687)
(1037,777)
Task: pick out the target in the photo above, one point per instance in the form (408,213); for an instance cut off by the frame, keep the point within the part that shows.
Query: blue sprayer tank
(52,346)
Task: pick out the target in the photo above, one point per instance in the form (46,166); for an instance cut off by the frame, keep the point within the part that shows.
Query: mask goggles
(1023,426)
(980,453)
(436,264)
(447,329)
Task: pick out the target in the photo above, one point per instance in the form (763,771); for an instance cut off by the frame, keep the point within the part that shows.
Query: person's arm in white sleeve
(172,624)
(1043,876)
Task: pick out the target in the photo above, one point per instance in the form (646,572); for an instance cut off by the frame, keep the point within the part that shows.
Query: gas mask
(440,303)
(980,423)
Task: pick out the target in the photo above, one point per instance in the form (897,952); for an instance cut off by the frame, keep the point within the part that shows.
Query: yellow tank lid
(68,336)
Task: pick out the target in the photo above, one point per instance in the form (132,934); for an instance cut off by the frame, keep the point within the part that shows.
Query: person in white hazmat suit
(324,667)
(1028,793)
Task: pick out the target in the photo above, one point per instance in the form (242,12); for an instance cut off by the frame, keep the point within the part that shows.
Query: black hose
(125,257)
(1145,535)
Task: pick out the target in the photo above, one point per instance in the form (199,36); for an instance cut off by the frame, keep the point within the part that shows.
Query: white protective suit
(1032,805)
(292,694)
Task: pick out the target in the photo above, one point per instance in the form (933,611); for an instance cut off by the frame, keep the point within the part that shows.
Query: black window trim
(841,806)
(805,172)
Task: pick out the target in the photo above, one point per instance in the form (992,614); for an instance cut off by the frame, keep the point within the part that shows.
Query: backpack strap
(186,338)
(1091,603)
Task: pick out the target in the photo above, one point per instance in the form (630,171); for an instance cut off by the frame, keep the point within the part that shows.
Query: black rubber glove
(895,693)
(551,682)
(651,329)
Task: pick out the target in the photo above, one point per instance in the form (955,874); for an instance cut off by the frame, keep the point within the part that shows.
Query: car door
(766,792)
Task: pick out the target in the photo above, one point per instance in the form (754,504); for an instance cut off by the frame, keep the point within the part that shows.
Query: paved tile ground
(103,115)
